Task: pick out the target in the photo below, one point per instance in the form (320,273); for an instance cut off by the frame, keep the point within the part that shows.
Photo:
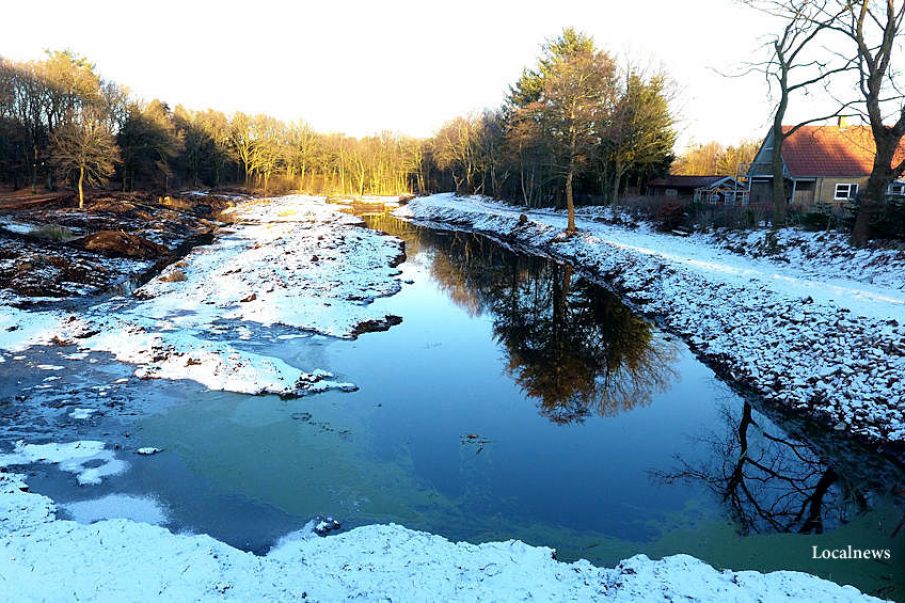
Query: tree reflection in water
(771,482)
(571,345)
(578,350)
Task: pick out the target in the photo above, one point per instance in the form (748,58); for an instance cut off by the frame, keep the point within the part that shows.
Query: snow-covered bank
(798,332)
(21,329)
(292,261)
(45,558)
(189,327)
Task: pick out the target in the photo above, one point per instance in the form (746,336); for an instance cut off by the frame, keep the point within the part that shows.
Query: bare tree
(713,158)
(795,64)
(456,148)
(875,26)
(86,147)
(267,152)
(242,142)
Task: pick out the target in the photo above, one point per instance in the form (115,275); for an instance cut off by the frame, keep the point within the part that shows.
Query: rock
(325,526)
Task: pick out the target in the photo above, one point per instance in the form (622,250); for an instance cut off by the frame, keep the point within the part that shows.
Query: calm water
(516,400)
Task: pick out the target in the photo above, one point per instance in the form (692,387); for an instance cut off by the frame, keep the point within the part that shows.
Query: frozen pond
(515,400)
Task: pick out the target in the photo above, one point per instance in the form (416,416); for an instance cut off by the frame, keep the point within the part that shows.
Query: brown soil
(175,276)
(119,243)
(116,237)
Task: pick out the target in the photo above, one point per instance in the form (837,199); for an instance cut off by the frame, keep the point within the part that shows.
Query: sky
(405,66)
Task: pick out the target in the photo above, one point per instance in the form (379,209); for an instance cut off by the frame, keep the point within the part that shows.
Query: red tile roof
(830,151)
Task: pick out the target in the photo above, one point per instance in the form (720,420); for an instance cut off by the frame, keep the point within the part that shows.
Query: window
(846,191)
(671,192)
(897,189)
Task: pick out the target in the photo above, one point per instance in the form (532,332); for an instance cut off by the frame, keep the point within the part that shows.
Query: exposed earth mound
(119,243)
(51,249)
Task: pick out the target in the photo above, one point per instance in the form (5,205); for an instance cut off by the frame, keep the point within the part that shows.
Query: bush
(891,221)
(670,215)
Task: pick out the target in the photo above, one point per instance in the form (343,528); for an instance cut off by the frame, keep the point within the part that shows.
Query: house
(826,165)
(723,190)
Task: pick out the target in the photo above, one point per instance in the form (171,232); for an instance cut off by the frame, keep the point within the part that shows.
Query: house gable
(762,166)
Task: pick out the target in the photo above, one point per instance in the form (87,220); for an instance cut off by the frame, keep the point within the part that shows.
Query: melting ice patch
(143,509)
(21,329)
(80,414)
(89,460)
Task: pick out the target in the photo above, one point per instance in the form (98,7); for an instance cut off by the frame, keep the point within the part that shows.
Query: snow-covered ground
(293,261)
(818,330)
(43,558)
(301,264)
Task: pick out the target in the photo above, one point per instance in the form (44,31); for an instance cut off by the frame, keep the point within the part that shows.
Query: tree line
(714,159)
(60,122)
(575,125)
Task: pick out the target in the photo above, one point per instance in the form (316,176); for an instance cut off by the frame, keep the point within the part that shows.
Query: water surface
(516,400)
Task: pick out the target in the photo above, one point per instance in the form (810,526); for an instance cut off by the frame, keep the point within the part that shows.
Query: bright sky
(407,66)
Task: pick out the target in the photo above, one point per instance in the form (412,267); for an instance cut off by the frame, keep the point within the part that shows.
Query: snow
(292,261)
(21,329)
(72,457)
(80,414)
(819,328)
(307,532)
(298,263)
(20,511)
(118,506)
(797,248)
(148,451)
(216,365)
(45,558)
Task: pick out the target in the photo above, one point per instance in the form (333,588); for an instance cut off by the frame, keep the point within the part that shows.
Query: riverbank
(813,334)
(44,558)
(295,264)
(287,267)
(51,252)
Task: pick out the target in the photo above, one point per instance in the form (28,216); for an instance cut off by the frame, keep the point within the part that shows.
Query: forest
(578,126)
(62,123)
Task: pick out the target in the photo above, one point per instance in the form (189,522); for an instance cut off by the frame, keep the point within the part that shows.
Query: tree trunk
(779,184)
(874,196)
(81,190)
(617,181)
(570,202)
(34,171)
(814,522)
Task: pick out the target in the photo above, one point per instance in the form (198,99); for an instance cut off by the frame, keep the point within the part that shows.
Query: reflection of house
(724,190)
(821,164)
